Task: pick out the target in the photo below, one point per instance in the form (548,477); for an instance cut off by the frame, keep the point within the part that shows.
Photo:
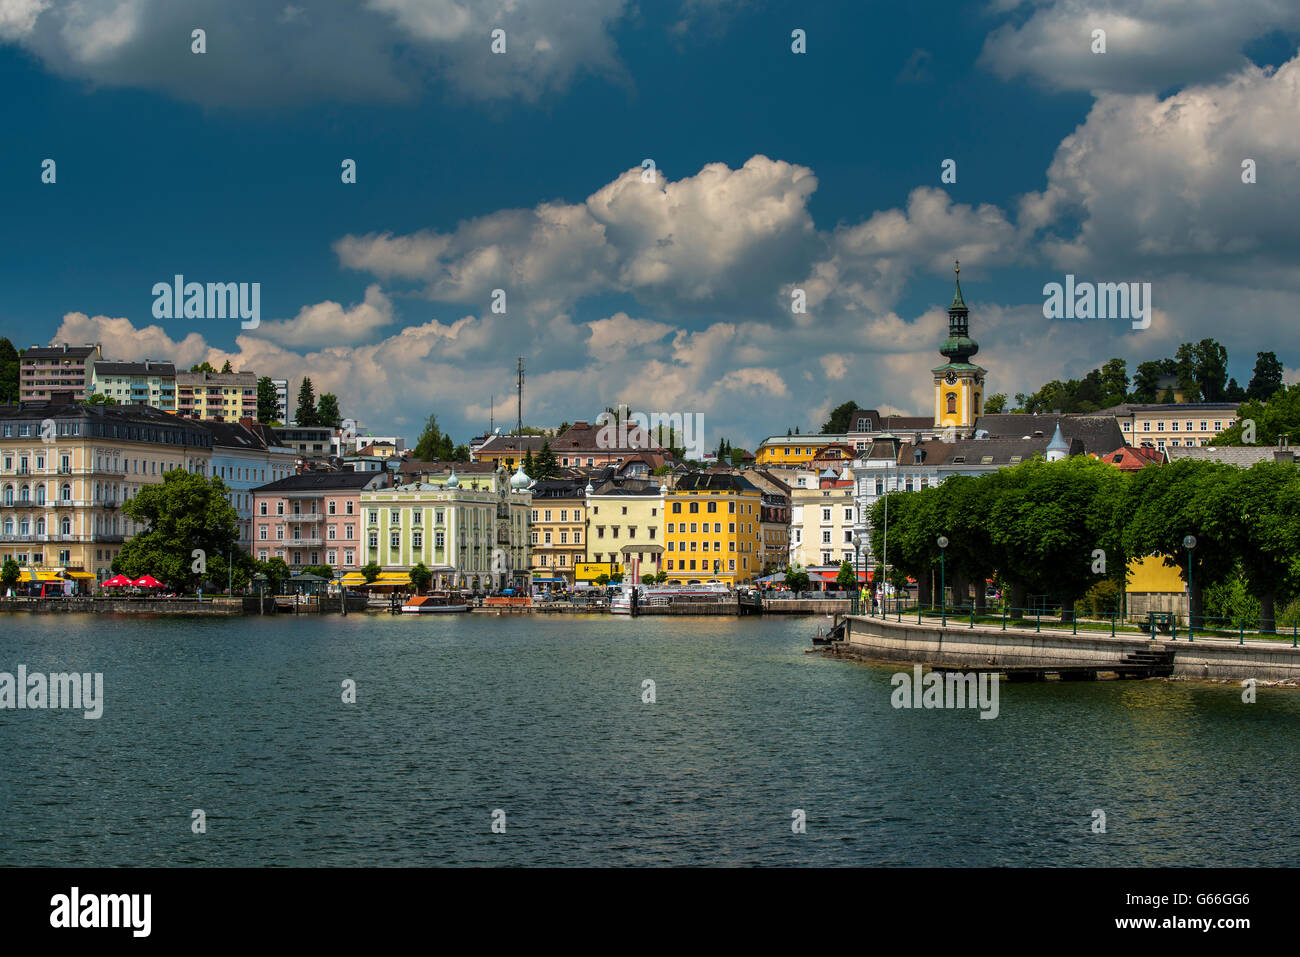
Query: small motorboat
(433,603)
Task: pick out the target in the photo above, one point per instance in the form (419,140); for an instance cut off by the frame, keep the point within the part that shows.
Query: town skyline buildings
(672,292)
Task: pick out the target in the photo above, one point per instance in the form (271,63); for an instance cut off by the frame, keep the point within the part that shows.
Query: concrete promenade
(989,648)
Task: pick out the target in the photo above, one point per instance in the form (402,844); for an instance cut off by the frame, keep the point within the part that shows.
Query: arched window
(65,492)
(40,526)
(9,494)
(40,494)
(65,526)
(25,494)
(952,402)
(9,526)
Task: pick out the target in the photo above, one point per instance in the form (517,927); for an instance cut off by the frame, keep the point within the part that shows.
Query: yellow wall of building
(725,544)
(969,402)
(1151,574)
(630,523)
(797,450)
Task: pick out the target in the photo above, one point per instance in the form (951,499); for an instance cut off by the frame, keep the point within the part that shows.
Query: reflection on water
(543,718)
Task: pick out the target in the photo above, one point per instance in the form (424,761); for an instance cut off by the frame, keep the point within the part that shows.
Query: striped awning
(27,576)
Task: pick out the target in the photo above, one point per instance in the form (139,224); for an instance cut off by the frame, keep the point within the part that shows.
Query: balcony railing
(51,539)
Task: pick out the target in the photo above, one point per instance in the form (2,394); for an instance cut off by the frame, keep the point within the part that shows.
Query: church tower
(958,383)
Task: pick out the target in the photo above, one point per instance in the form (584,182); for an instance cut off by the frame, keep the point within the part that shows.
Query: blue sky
(474,173)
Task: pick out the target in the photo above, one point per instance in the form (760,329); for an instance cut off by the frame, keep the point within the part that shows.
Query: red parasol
(117,581)
(147,581)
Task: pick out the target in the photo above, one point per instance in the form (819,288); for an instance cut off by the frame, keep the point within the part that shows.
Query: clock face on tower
(950,378)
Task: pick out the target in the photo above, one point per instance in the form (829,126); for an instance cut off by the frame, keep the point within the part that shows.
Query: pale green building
(470,535)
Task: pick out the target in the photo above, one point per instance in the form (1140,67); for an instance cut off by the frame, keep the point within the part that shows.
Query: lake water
(542,717)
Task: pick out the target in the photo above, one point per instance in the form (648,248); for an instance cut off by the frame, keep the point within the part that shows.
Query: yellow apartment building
(713,529)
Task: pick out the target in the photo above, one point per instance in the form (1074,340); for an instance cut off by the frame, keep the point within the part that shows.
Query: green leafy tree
(305,415)
(327,411)
(226,369)
(530,468)
(545,464)
(1274,418)
(267,400)
(602,579)
(204,366)
(1184,498)
(8,373)
(182,513)
(1047,524)
(1229,604)
(1146,381)
(995,404)
(9,573)
(460,453)
(100,399)
(420,577)
(1209,370)
(236,576)
(432,444)
(277,572)
(846,580)
(323,571)
(796,579)
(1267,540)
(1267,378)
(1114,379)
(370,572)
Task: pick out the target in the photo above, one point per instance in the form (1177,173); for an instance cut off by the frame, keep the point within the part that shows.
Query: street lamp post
(857,554)
(1189,543)
(943,584)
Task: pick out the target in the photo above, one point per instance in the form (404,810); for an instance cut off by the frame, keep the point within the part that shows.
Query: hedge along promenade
(1063,528)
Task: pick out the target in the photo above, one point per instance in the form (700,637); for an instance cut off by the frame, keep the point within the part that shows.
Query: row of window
(564,514)
(704,565)
(330,509)
(331,532)
(712,507)
(704,546)
(577,537)
(313,558)
(65,494)
(1173,426)
(746,528)
(24,527)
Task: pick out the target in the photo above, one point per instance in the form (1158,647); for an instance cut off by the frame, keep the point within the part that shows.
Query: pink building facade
(313,519)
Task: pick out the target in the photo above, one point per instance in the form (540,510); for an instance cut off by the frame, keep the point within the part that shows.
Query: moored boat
(651,595)
(433,603)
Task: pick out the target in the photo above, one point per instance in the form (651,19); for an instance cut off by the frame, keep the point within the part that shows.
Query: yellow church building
(958,383)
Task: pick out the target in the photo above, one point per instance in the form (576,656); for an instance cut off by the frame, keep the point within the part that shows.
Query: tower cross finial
(956,266)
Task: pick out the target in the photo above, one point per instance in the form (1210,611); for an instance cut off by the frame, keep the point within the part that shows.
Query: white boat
(648,595)
(434,603)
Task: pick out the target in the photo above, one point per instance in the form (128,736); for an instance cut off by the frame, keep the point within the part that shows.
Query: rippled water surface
(543,718)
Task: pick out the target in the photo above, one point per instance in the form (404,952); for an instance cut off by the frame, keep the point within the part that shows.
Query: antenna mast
(519,426)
